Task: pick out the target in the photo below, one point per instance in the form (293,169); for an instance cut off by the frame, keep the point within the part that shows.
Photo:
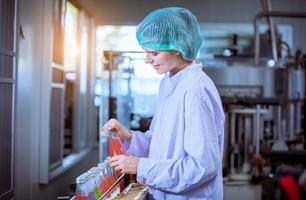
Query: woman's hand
(125,164)
(123,133)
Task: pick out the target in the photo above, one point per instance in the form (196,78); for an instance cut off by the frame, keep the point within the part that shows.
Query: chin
(160,72)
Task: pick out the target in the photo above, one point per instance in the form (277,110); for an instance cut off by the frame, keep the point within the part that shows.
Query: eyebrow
(151,51)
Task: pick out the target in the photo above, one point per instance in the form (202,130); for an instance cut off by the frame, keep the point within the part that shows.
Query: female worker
(180,156)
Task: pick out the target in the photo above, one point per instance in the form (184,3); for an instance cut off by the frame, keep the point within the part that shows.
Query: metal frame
(12,81)
(270,14)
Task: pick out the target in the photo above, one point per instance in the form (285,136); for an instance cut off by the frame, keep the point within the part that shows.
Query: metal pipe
(291,118)
(247,135)
(267,7)
(232,156)
(279,122)
(298,112)
(262,14)
(257,129)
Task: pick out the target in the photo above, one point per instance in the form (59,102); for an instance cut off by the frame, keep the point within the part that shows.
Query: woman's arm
(203,157)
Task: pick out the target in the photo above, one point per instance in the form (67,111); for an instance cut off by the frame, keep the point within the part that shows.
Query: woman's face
(163,61)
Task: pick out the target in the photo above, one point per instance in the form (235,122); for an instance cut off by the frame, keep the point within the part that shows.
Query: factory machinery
(265,117)
(264,102)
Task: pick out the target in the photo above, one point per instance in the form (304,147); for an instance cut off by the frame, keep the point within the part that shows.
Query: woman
(180,156)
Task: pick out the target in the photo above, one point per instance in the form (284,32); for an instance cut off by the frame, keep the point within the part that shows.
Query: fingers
(124,164)
(117,159)
(117,162)
(111,124)
(114,164)
(114,161)
(121,130)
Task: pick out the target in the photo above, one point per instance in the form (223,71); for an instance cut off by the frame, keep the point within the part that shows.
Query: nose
(148,59)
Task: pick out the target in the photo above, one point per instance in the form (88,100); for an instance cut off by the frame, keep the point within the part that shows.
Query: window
(70,133)
(7,91)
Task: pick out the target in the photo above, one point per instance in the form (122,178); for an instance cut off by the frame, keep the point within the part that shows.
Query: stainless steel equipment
(264,105)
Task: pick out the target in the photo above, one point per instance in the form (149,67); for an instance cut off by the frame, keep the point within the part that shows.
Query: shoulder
(197,84)
(200,90)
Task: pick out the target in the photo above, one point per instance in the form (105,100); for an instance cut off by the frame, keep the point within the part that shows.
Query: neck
(180,66)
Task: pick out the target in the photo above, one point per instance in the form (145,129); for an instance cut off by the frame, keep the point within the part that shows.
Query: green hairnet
(171,28)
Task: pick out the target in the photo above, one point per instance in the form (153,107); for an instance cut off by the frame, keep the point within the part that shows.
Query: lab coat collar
(169,82)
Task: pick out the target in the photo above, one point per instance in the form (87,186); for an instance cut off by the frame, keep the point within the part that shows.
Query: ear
(177,53)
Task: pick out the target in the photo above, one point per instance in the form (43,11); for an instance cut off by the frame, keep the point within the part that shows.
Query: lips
(156,67)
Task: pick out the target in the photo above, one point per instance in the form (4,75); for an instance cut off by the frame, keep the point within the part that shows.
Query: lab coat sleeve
(203,154)
(140,142)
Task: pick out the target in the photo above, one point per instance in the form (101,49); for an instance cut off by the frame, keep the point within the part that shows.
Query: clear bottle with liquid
(115,145)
